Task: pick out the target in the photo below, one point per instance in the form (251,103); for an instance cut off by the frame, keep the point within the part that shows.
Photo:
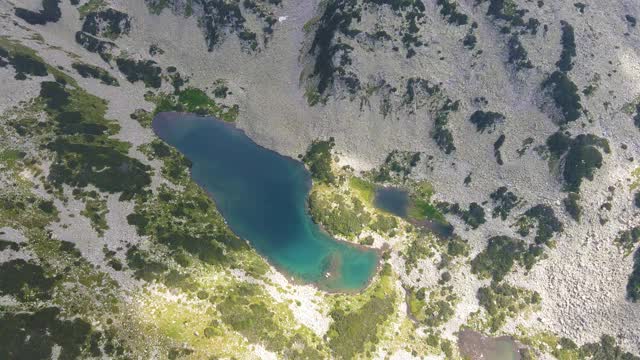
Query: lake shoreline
(291,276)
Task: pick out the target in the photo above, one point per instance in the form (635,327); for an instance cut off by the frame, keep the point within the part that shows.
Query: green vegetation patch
(582,157)
(565,349)
(484,120)
(364,189)
(542,217)
(419,93)
(606,349)
(50,12)
(518,55)
(12,48)
(633,284)
(500,256)
(85,154)
(568,42)
(23,62)
(187,221)
(107,23)
(91,6)
(397,165)
(34,335)
(628,239)
(421,207)
(419,248)
(195,101)
(90,71)
(572,206)
(25,280)
(318,160)
(143,117)
(502,301)
(143,266)
(246,309)
(6,244)
(336,17)
(450,12)
(141,70)
(565,95)
(358,320)
(504,201)
(95,209)
(175,166)
(93,44)
(434,308)
(474,216)
(340,215)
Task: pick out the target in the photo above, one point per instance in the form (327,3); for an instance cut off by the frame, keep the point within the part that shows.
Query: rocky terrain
(515,122)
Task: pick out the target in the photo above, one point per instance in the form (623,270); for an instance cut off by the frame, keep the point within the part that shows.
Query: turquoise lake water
(263,197)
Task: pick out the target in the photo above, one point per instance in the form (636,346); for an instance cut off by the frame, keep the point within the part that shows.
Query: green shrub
(547,223)
(571,205)
(353,329)
(109,23)
(568,48)
(606,349)
(565,95)
(581,163)
(86,71)
(384,224)
(504,201)
(582,159)
(341,217)
(450,12)
(336,16)
(628,239)
(474,217)
(84,154)
(95,45)
(25,280)
(502,301)
(518,55)
(50,13)
(318,160)
(633,284)
(396,164)
(485,120)
(418,249)
(558,143)
(501,254)
(497,260)
(36,335)
(141,70)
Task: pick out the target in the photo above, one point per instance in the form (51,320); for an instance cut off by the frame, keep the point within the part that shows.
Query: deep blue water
(393,200)
(262,195)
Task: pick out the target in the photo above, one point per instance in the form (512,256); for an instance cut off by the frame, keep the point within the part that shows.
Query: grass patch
(364,189)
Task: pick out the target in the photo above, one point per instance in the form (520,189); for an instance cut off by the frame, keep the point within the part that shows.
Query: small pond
(476,346)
